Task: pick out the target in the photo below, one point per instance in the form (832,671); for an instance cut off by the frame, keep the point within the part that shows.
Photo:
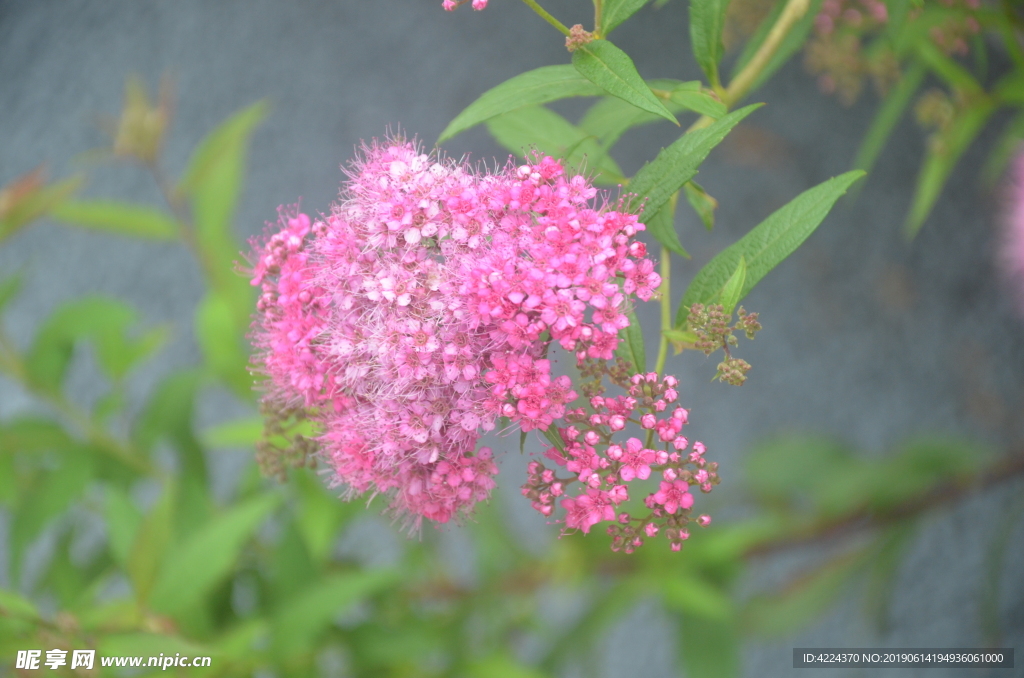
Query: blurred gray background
(867,338)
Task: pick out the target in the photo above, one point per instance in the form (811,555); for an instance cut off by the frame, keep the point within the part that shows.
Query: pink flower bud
(616,422)
(648,421)
(704,520)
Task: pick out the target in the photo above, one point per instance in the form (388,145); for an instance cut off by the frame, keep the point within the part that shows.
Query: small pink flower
(673,496)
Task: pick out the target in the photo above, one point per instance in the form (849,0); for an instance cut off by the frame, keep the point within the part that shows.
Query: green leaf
(9,288)
(522,441)
(709,648)
(224,348)
(612,70)
(734,287)
(693,595)
(243,432)
(678,163)
(889,113)
(34,204)
(662,226)
(298,624)
(614,12)
(320,515)
(119,218)
(767,244)
(501,665)
(791,609)
(693,97)
(1004,150)
(707,20)
(880,588)
(148,645)
(123,520)
(52,493)
(944,150)
(702,203)
(192,570)
(152,540)
(553,135)
(631,345)
(12,604)
(532,88)
(213,181)
(33,435)
(790,45)
(946,68)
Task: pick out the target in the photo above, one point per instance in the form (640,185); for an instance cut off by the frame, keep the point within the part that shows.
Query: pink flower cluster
(451,5)
(422,309)
(604,478)
(1012,249)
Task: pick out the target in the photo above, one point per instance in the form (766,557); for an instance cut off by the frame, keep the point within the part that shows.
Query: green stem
(598,10)
(666,307)
(547,17)
(746,78)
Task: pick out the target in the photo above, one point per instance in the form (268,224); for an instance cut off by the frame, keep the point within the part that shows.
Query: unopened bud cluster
(714,330)
(600,467)
(281,448)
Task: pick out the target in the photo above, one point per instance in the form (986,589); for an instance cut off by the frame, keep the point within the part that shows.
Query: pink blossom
(673,496)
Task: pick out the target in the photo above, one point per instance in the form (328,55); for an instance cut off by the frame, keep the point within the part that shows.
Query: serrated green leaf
(889,113)
(553,135)
(707,21)
(532,88)
(612,70)
(151,543)
(614,12)
(118,218)
(662,226)
(678,163)
(734,287)
(708,648)
(698,99)
(631,345)
(123,520)
(944,151)
(193,569)
(767,244)
(804,599)
(298,624)
(702,203)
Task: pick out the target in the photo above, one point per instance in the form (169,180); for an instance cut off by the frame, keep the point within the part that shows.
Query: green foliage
(113,217)
(707,21)
(767,244)
(631,345)
(533,88)
(612,70)
(614,12)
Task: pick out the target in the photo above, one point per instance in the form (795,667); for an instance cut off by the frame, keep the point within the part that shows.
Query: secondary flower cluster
(422,309)
(605,468)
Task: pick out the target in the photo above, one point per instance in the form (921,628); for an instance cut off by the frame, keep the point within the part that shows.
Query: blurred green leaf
(196,566)
(237,433)
(708,647)
(213,182)
(106,323)
(320,514)
(33,435)
(554,135)
(119,218)
(882,571)
(791,609)
(702,203)
(791,44)
(27,199)
(1004,150)
(767,244)
(224,351)
(662,226)
(686,593)
(779,470)
(733,287)
(614,12)
(946,68)
(678,163)
(149,645)
(707,21)
(539,86)
(297,625)
(12,603)
(889,113)
(151,544)
(501,665)
(944,150)
(51,493)
(9,288)
(123,520)
(631,345)
(612,70)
